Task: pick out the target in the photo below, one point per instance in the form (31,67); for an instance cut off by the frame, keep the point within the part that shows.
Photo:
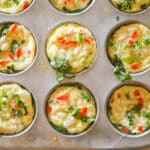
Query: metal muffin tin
(35,105)
(99,19)
(85,69)
(129,13)
(131,83)
(19,13)
(116,27)
(36,52)
(75,13)
(69,135)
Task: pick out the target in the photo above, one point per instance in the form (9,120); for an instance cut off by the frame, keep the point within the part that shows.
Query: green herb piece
(127,46)
(14,46)
(128,59)
(117,18)
(127,95)
(4,93)
(136,109)
(130,117)
(17,112)
(65,9)
(119,70)
(75,113)
(86,95)
(137,45)
(79,37)
(4,30)
(11,69)
(144,6)
(61,129)
(126,4)
(16,2)
(147,115)
(146,41)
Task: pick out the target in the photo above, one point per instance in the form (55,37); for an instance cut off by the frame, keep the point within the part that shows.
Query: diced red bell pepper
(119,95)
(14,27)
(130,42)
(49,109)
(135,65)
(25,5)
(61,40)
(3,63)
(134,35)
(11,56)
(140,128)
(18,52)
(15,105)
(83,111)
(136,93)
(141,101)
(88,40)
(64,97)
(126,130)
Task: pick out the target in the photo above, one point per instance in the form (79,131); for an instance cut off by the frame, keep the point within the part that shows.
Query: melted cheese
(131,49)
(12,7)
(61,113)
(128,107)
(79,54)
(10,123)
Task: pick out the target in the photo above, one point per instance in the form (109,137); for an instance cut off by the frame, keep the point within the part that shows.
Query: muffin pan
(99,19)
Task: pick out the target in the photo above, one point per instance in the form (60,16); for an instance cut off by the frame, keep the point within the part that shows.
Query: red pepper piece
(134,35)
(130,42)
(15,105)
(140,128)
(14,27)
(136,93)
(3,63)
(140,101)
(11,56)
(64,97)
(18,52)
(88,40)
(83,111)
(126,130)
(135,65)
(25,5)
(49,109)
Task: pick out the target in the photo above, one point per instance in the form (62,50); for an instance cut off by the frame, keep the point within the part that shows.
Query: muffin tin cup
(84,70)
(35,114)
(133,83)
(35,57)
(128,13)
(19,13)
(69,135)
(72,14)
(112,30)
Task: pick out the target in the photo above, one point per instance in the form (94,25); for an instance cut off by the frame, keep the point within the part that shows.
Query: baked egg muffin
(71,109)
(71,6)
(131,6)
(17,48)
(70,48)
(128,109)
(16,109)
(14,6)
